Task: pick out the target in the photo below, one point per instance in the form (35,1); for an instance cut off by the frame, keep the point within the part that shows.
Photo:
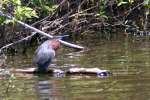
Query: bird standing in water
(45,53)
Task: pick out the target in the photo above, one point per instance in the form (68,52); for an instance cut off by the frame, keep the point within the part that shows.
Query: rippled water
(127,58)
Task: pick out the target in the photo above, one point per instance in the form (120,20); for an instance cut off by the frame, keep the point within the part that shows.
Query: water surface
(127,58)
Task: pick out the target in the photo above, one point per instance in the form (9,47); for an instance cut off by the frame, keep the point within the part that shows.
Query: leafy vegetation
(16,8)
(23,10)
(80,16)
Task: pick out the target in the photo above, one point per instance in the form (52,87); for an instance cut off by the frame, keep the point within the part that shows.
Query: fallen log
(60,73)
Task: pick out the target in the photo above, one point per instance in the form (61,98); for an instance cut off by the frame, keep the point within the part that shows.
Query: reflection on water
(127,58)
(48,89)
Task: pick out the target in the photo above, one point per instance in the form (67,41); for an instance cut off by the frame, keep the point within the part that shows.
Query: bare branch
(26,38)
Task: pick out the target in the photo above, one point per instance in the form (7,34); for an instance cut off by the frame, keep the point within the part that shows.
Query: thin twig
(59,20)
(129,11)
(10,44)
(49,15)
(73,15)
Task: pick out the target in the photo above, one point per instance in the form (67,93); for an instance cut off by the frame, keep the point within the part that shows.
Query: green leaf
(101,14)
(54,6)
(18,2)
(146,2)
(23,12)
(131,1)
(8,21)
(47,7)
(147,13)
(122,3)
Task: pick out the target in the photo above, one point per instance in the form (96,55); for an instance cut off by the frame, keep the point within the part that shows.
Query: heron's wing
(43,56)
(41,47)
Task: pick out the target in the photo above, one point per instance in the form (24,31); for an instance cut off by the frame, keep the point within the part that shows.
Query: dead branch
(16,42)
(41,32)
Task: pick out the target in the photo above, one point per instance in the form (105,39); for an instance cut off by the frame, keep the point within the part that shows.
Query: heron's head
(55,43)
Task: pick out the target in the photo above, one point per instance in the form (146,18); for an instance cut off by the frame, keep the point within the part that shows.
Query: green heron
(45,53)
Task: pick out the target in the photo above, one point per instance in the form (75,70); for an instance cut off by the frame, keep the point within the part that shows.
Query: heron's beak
(61,37)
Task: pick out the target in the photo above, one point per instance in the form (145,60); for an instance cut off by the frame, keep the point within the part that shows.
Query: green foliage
(17,2)
(43,6)
(19,11)
(22,12)
(146,2)
(147,5)
(101,12)
(122,2)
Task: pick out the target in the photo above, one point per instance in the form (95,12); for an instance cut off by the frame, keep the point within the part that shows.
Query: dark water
(127,58)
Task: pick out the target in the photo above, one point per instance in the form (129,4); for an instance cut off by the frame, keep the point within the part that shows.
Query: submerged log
(60,73)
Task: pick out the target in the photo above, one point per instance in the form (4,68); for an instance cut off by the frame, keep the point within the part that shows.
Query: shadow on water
(127,58)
